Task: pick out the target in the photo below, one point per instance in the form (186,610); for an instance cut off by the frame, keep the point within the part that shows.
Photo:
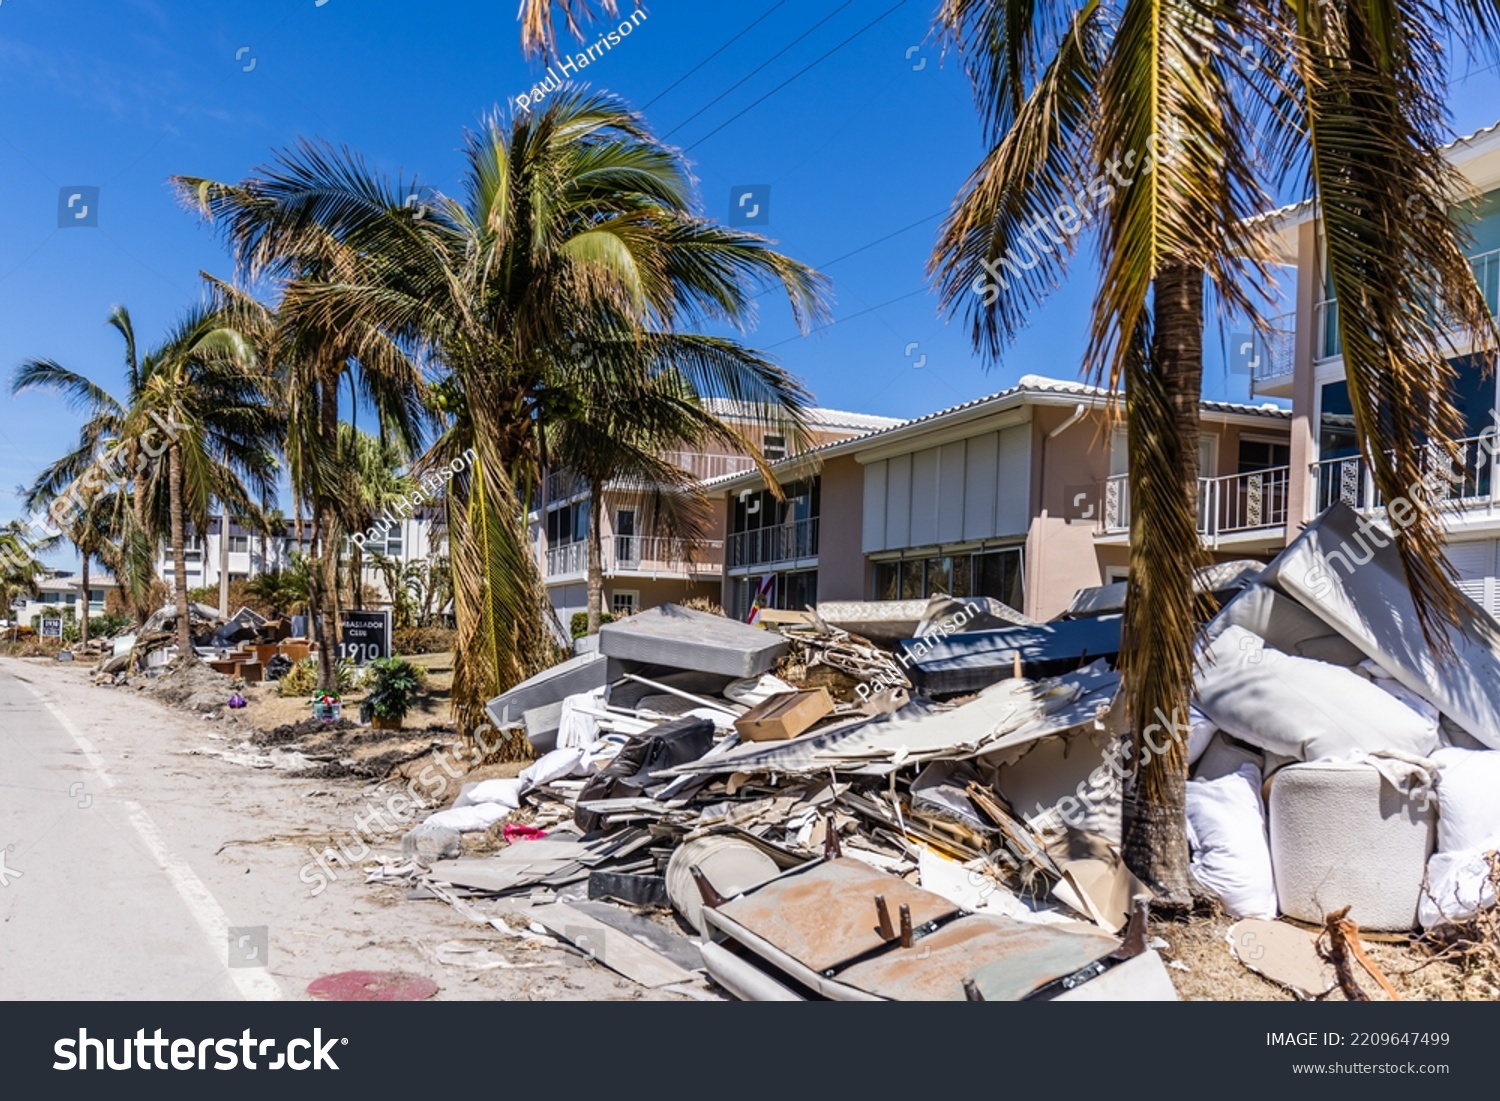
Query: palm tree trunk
(83,628)
(1163,399)
(185,652)
(320,585)
(596,556)
(224,563)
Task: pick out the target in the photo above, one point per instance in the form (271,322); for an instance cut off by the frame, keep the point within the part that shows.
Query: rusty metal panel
(826,916)
(1008,958)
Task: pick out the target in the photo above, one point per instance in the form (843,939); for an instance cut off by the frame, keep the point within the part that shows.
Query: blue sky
(873,137)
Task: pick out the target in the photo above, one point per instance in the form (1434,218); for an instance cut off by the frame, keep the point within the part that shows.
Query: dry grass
(1463,965)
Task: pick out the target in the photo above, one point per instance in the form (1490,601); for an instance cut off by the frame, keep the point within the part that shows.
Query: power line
(797,74)
(715,54)
(851,317)
(757,69)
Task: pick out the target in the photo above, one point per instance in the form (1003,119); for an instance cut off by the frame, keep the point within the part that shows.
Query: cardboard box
(784,716)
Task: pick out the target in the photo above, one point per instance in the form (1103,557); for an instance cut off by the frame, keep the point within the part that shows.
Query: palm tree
(372,483)
(628,403)
(538,29)
(192,399)
(1155,123)
(20,568)
(575,225)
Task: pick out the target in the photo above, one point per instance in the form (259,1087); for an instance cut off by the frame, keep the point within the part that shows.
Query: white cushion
(1300,708)
(1468,798)
(1227,834)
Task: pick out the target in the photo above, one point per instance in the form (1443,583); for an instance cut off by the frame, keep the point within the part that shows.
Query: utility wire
(797,74)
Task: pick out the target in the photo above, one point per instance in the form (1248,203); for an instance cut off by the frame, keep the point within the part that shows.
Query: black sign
(52,628)
(364,636)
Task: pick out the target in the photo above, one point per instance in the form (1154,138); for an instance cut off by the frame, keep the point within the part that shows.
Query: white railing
(562,486)
(703,467)
(1233,503)
(1329,340)
(566,559)
(1469,483)
(658,554)
(1273,353)
(645,554)
(779,543)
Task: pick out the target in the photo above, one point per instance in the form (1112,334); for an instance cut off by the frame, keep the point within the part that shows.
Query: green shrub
(424,640)
(579,624)
(393,684)
(302,678)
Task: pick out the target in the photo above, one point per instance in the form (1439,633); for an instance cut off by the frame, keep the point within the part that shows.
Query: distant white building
(61,592)
(251,554)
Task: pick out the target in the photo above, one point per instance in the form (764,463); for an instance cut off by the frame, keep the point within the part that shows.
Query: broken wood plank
(618,951)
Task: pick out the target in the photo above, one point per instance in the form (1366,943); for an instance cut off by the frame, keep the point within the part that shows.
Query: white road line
(254,984)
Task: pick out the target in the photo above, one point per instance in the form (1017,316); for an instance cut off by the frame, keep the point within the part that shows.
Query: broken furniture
(1342,835)
(841,930)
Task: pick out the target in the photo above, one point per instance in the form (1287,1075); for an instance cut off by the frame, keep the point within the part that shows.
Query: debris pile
(820,828)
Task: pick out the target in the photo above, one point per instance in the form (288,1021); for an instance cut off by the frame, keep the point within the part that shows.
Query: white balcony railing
(780,543)
(1228,505)
(1329,340)
(644,554)
(1273,354)
(1469,483)
(703,467)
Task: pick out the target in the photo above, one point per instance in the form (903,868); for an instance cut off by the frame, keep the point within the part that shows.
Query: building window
(773,447)
(624,602)
(1263,455)
(793,591)
(239,544)
(995,573)
(569,524)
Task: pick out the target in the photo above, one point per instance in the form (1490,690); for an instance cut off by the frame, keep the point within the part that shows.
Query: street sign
(364,636)
(52,628)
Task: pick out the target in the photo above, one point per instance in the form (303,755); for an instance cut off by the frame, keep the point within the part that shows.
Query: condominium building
(1022,495)
(1302,360)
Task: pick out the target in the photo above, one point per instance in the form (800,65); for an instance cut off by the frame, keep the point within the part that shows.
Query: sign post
(52,628)
(364,636)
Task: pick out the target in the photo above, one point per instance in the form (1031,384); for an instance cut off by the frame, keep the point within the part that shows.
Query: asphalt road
(94,903)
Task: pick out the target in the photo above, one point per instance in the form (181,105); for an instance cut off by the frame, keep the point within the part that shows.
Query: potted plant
(393,684)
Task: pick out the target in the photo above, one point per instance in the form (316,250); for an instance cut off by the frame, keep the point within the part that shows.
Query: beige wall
(1300,499)
(1061,557)
(841,562)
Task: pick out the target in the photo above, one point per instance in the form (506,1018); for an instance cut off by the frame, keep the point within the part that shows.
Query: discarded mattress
(1370,605)
(583,673)
(1299,707)
(1342,835)
(681,638)
(971,660)
(887,622)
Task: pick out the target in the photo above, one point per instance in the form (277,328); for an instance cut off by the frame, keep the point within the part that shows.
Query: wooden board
(616,950)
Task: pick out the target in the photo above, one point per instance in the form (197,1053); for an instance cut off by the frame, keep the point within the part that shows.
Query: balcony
(643,555)
(1273,353)
(1330,344)
(1232,507)
(789,542)
(703,467)
(1350,479)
